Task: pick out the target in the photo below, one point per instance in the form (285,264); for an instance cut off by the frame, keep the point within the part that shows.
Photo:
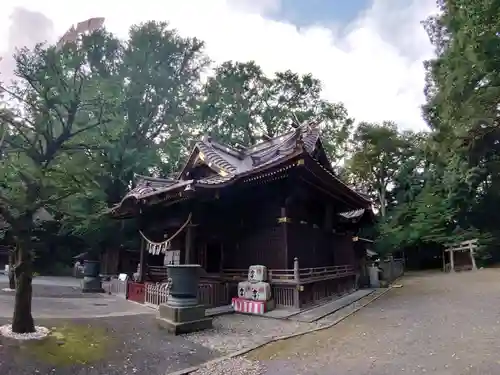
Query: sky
(368,53)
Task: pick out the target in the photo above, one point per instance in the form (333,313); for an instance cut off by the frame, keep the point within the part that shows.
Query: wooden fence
(136,292)
(116,286)
(296,275)
(296,287)
(392,269)
(299,287)
(209,294)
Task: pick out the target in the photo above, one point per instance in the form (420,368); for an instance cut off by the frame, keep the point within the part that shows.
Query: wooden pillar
(474,266)
(189,245)
(452,261)
(142,261)
(296,277)
(285,236)
(444,260)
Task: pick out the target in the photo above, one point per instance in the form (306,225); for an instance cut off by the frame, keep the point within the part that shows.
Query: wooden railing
(309,275)
(287,284)
(214,294)
(298,287)
(155,294)
(295,275)
(136,292)
(209,294)
(116,286)
(284,295)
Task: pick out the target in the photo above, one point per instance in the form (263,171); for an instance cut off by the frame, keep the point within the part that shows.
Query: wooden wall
(262,245)
(315,247)
(242,228)
(246,226)
(310,234)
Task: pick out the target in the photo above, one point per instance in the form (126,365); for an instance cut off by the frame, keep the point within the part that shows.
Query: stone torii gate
(467,247)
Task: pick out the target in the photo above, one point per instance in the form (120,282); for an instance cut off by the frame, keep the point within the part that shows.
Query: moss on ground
(71,344)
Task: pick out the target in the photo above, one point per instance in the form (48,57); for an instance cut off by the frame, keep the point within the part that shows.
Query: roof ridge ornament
(299,141)
(206,137)
(313,124)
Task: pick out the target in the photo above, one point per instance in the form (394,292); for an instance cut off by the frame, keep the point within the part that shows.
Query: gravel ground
(137,346)
(447,324)
(54,291)
(235,332)
(233,366)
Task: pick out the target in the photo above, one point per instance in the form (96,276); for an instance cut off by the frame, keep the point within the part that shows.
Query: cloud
(373,65)
(26,29)
(256,6)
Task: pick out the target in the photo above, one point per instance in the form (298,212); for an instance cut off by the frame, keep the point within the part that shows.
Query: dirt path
(436,323)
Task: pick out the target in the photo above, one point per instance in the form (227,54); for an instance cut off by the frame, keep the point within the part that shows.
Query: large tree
(462,107)
(54,102)
(156,74)
(377,153)
(455,191)
(242,106)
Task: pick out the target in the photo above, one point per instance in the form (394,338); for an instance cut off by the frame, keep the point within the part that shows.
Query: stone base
(242,305)
(177,320)
(92,285)
(185,327)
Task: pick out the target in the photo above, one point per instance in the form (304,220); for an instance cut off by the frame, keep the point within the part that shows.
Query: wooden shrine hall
(277,204)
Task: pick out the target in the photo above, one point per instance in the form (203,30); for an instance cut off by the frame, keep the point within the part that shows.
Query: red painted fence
(136,292)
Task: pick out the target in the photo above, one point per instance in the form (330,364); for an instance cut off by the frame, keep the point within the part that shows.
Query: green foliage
(80,122)
(377,154)
(243,106)
(156,82)
(455,194)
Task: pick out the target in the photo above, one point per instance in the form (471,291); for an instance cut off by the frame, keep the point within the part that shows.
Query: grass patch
(71,344)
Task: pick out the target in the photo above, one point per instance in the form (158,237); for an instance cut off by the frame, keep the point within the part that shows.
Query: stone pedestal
(177,320)
(182,313)
(91,282)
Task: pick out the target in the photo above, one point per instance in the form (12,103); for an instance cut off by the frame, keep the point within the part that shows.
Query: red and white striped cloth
(248,306)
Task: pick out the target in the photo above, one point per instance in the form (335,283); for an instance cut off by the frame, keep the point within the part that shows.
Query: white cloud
(374,65)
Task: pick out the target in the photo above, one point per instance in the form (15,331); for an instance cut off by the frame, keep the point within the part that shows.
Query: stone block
(92,285)
(177,320)
(182,314)
(177,328)
(257,273)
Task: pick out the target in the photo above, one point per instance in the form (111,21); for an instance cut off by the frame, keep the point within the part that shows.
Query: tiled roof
(352,214)
(145,185)
(230,163)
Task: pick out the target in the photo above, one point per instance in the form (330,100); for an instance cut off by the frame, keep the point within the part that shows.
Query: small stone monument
(91,282)
(182,313)
(254,294)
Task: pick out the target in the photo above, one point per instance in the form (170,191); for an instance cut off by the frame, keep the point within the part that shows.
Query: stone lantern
(182,313)
(91,282)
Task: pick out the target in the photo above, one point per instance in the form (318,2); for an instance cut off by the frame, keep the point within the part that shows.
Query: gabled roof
(226,160)
(230,164)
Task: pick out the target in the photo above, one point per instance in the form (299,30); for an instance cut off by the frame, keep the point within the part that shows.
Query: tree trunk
(22,322)
(12,276)
(382,195)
